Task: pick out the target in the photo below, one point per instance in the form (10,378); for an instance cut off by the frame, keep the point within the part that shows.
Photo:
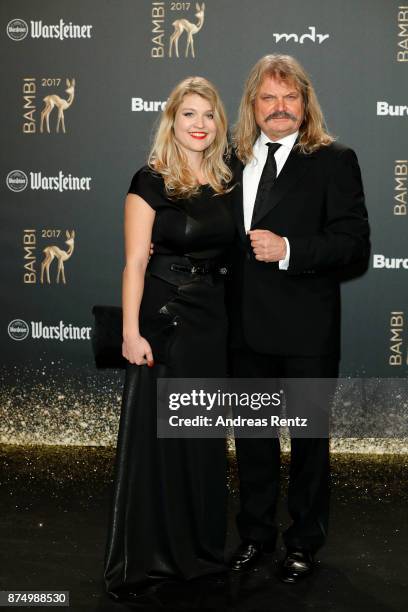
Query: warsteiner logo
(167,32)
(17,180)
(17,29)
(20,330)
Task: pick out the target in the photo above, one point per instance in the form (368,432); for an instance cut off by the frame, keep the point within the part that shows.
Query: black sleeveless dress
(169,509)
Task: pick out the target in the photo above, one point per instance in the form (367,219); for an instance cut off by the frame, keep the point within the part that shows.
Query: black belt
(174,269)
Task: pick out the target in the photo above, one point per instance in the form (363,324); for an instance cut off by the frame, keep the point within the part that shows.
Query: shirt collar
(286,141)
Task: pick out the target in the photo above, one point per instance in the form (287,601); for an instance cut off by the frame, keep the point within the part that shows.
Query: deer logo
(53,251)
(60,103)
(181,25)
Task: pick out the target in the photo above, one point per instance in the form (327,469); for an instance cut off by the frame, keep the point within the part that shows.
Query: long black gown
(169,508)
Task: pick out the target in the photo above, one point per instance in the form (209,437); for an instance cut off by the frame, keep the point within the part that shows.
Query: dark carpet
(54,509)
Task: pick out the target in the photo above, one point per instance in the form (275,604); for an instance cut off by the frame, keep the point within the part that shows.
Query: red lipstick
(198,135)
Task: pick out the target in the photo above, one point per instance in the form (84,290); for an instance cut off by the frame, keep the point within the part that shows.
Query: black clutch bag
(107,338)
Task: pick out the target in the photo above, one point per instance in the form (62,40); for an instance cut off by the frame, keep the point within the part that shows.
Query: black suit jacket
(317,202)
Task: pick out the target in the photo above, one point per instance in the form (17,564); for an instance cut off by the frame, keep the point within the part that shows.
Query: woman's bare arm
(139,217)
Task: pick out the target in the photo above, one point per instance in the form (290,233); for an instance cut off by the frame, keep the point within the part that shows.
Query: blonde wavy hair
(167,156)
(313,133)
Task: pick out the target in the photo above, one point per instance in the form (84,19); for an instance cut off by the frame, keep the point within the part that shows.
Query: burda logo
(300,38)
(18,329)
(138,105)
(385,109)
(391,263)
(17,181)
(17,29)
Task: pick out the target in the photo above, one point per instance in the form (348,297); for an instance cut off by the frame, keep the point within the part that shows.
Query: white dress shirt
(252,175)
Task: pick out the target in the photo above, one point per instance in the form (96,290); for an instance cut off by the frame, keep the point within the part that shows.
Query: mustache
(281,115)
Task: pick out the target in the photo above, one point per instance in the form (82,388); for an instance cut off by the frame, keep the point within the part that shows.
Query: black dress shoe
(298,564)
(246,556)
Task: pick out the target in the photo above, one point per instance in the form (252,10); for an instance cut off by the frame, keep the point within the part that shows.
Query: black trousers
(259,459)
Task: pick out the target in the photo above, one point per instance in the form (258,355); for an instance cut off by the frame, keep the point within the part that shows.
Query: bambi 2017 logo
(180,42)
(45,270)
(53,105)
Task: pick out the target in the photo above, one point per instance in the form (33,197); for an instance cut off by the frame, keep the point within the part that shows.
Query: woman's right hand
(137,350)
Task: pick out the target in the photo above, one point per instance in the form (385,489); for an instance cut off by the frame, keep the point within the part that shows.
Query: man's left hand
(267,246)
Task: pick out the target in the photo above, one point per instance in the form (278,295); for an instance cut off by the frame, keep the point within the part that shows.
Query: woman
(169,509)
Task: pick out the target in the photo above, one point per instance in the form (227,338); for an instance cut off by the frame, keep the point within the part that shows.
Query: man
(301,220)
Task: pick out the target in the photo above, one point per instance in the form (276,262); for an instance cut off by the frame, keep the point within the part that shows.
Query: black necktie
(268,177)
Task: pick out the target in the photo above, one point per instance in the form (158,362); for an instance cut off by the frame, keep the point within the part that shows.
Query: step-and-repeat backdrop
(83,85)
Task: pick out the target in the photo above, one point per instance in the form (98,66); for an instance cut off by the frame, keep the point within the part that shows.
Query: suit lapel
(293,170)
